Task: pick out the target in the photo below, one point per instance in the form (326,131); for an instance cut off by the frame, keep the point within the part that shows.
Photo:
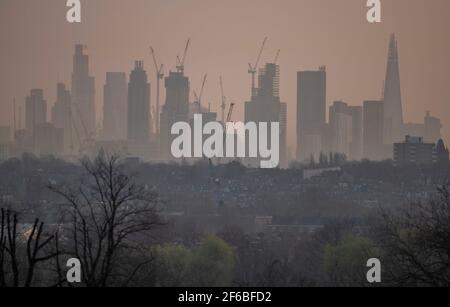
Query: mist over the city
(224,144)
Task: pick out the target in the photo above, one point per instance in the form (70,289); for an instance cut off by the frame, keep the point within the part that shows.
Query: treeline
(113,225)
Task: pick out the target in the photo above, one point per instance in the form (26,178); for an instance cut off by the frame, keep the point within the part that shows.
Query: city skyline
(367,90)
(237,144)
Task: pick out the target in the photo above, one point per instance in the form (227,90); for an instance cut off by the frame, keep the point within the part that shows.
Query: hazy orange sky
(37,47)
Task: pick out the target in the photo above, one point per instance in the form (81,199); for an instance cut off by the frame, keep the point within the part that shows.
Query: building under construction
(265,106)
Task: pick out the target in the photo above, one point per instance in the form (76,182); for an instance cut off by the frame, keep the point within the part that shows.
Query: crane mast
(198,98)
(223,99)
(159,77)
(230,112)
(276,57)
(181,61)
(254,68)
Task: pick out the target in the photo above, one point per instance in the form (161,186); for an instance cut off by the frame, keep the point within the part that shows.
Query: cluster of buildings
(374,130)
(131,125)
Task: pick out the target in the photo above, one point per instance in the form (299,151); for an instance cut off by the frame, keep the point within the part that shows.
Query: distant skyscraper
(115,106)
(139,121)
(266,106)
(373,130)
(175,109)
(345,130)
(83,96)
(433,128)
(356,146)
(393,112)
(341,128)
(5,143)
(35,114)
(62,115)
(429,130)
(49,140)
(311,113)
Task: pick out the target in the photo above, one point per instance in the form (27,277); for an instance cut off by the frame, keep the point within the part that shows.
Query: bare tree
(109,217)
(33,245)
(416,242)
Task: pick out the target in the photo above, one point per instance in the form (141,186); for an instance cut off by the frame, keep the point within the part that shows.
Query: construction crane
(225,126)
(159,77)
(224,100)
(277,56)
(180,62)
(253,69)
(87,144)
(230,112)
(198,98)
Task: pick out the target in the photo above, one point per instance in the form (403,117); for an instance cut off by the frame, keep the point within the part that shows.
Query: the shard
(393,112)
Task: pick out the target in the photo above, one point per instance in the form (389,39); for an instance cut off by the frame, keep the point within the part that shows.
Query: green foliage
(172,265)
(345,262)
(211,263)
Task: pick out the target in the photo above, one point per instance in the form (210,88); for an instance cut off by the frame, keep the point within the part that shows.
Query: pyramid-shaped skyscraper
(393,112)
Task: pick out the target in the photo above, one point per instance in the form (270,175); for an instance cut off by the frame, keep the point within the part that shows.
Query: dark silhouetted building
(311,113)
(35,110)
(373,130)
(35,114)
(175,109)
(414,151)
(140,142)
(442,153)
(139,121)
(62,116)
(83,96)
(115,108)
